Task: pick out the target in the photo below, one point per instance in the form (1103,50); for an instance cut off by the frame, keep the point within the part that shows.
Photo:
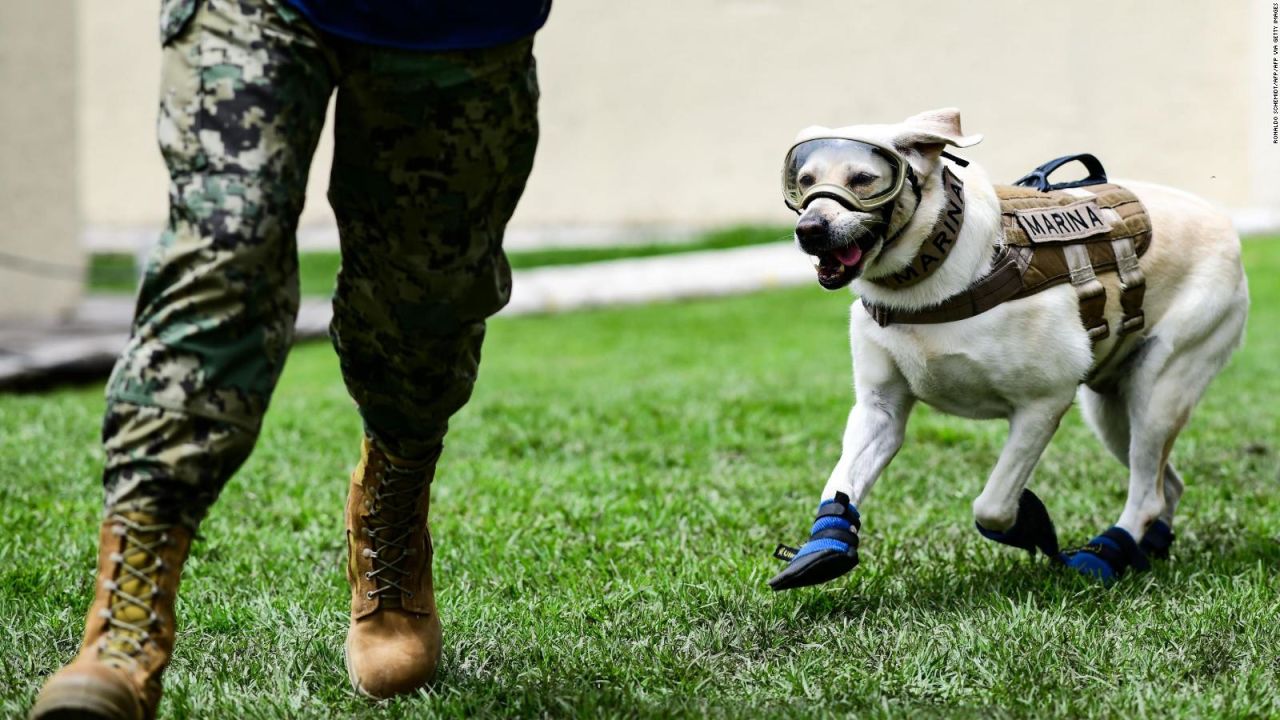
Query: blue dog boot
(832,549)
(1157,540)
(1107,556)
(1032,529)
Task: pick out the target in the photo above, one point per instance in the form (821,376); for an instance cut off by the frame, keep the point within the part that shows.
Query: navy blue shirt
(428,24)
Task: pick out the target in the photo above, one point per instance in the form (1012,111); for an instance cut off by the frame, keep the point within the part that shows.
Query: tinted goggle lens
(856,173)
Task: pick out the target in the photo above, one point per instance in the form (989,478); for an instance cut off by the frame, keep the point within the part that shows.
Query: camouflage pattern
(431,154)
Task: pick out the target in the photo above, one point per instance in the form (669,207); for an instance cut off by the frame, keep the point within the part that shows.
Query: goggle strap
(915,187)
(915,183)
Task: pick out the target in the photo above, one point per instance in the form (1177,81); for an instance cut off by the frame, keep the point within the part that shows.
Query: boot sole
(84,698)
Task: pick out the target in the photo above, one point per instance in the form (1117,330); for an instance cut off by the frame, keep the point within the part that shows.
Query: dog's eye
(861,178)
(805,180)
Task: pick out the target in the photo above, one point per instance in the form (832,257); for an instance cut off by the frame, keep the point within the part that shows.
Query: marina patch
(1076,221)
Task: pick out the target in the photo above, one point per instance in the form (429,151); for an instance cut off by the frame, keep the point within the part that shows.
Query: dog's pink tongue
(849,256)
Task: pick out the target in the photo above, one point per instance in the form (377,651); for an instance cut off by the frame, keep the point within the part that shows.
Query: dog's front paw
(1032,529)
(1107,556)
(831,551)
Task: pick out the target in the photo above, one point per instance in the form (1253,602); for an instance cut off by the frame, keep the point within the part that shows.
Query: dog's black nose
(812,233)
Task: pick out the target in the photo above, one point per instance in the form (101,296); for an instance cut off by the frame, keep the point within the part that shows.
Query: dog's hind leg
(1108,415)
(1186,350)
(1172,494)
(1007,511)
(1154,425)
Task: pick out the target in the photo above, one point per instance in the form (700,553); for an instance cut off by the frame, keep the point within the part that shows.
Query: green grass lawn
(116,272)
(603,521)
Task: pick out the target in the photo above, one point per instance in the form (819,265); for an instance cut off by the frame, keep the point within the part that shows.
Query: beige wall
(38,202)
(677,112)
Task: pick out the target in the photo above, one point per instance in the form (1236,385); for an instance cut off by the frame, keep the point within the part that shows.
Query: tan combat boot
(393,645)
(129,633)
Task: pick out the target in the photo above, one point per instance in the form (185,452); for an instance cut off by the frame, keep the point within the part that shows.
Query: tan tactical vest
(1047,238)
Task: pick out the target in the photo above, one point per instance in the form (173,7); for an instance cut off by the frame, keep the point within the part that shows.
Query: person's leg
(432,154)
(243,98)
(433,151)
(242,104)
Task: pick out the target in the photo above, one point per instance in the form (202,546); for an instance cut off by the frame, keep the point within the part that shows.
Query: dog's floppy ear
(930,131)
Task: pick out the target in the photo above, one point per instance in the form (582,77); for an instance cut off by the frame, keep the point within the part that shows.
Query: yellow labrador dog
(952,314)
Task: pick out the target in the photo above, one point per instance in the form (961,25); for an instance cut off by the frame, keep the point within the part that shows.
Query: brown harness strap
(1090,291)
(1004,282)
(1133,286)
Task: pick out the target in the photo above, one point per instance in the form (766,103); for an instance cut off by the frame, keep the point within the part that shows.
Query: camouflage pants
(432,150)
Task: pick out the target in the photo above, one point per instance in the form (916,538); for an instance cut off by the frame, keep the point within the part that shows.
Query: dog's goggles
(859,174)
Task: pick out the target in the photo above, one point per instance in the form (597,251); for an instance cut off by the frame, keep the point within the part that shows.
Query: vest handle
(1039,178)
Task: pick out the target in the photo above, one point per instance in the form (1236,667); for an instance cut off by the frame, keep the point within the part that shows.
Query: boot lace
(392,520)
(130,613)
